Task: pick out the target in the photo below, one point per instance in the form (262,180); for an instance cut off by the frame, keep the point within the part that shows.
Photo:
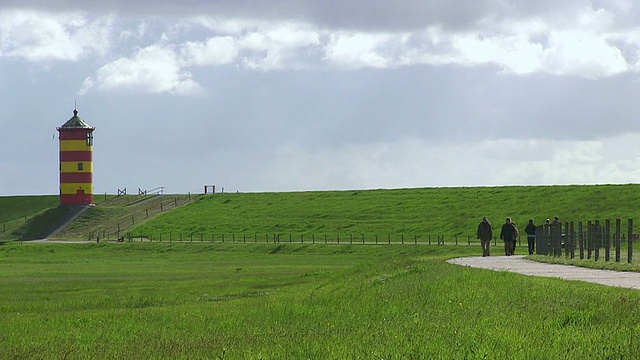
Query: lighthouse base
(76,199)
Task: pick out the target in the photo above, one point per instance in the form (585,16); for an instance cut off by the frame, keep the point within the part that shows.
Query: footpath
(518,264)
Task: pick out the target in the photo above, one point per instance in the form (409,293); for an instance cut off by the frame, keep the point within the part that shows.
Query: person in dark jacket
(485,234)
(508,234)
(530,230)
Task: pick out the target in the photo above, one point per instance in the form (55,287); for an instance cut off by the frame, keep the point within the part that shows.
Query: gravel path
(519,264)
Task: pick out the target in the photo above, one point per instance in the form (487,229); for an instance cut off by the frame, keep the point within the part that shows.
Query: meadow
(274,301)
(266,300)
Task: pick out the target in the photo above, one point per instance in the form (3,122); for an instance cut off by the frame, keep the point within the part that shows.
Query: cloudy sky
(287,95)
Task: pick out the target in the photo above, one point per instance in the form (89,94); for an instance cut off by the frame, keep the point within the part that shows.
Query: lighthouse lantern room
(76,162)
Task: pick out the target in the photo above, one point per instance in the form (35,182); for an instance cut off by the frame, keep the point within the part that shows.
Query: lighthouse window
(89,139)
(80,167)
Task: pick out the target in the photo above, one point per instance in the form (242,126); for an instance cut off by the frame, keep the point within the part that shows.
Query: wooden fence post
(589,239)
(572,236)
(567,241)
(616,240)
(630,242)
(581,240)
(607,240)
(597,240)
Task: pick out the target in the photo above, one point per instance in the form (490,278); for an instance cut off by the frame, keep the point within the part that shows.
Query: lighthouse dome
(76,122)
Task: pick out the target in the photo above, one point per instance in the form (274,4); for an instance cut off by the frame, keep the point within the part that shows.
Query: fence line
(307,238)
(553,238)
(278,238)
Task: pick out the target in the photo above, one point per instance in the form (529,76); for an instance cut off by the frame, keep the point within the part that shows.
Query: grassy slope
(434,211)
(115,217)
(16,213)
(19,207)
(32,217)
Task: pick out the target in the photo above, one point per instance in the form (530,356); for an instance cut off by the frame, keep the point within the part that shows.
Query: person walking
(530,230)
(485,234)
(508,235)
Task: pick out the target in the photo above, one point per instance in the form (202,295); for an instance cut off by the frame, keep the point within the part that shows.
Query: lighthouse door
(80,196)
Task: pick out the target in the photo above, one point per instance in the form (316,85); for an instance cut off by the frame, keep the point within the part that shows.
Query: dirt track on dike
(518,264)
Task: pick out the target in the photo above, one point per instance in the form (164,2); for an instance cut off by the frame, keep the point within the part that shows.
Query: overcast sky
(288,95)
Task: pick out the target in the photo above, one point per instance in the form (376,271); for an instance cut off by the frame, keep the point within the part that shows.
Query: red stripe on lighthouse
(76,156)
(69,178)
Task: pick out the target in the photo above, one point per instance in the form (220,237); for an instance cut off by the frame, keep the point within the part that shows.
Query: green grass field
(204,300)
(269,301)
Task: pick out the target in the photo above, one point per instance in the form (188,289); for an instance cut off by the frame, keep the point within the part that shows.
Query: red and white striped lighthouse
(76,162)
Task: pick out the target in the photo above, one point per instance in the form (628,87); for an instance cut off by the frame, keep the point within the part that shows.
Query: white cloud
(589,46)
(357,50)
(218,50)
(275,46)
(37,36)
(154,69)
(583,54)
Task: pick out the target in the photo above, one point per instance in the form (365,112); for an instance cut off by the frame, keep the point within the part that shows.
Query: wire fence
(589,240)
(276,238)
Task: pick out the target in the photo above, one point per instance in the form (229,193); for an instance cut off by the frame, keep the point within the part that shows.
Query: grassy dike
(274,301)
(409,212)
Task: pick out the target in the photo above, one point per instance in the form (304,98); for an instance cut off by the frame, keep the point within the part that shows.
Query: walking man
(531,236)
(508,235)
(485,234)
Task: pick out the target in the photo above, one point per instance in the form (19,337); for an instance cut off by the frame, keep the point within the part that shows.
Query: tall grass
(197,301)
